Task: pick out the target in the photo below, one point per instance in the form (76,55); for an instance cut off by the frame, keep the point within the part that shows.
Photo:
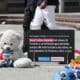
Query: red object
(77,51)
(1,56)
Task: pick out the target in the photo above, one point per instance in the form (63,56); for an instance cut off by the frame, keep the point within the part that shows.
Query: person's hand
(43,5)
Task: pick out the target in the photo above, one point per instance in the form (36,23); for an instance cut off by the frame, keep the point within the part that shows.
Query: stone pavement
(42,72)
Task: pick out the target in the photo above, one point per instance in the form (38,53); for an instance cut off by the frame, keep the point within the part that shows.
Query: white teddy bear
(10,52)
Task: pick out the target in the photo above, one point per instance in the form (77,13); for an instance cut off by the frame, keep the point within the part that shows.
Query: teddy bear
(11,54)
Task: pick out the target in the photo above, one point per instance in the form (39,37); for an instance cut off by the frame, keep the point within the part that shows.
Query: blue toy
(78,74)
(66,74)
(7,58)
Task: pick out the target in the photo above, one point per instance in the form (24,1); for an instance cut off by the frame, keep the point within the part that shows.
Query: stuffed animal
(67,73)
(75,63)
(10,52)
(23,62)
(77,54)
(7,57)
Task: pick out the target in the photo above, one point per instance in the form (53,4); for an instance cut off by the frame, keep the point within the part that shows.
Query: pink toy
(1,56)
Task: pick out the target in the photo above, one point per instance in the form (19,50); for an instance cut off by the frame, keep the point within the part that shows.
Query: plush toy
(1,56)
(7,57)
(10,52)
(67,73)
(23,62)
(77,54)
(75,63)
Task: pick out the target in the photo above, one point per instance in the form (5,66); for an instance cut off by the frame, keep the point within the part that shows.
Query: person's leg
(28,15)
(49,14)
(37,20)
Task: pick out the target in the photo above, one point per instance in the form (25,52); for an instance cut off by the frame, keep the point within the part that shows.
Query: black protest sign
(51,45)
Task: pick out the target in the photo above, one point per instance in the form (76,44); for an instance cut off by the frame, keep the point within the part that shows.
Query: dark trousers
(28,16)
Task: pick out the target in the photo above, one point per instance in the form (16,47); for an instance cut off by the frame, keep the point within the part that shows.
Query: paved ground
(42,72)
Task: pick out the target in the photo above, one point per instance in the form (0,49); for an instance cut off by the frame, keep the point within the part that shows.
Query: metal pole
(61,6)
